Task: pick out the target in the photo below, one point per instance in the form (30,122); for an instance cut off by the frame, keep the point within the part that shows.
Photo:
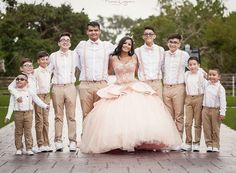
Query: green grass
(230,118)
(3,112)
(231,101)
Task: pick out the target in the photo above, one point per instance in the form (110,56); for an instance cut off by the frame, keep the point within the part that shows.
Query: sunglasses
(21,79)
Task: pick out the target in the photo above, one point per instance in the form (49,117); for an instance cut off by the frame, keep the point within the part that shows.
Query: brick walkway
(117,162)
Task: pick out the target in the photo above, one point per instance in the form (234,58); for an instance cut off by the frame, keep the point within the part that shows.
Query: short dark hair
(64,34)
(194,58)
(215,69)
(149,28)
(93,24)
(42,54)
(174,35)
(24,60)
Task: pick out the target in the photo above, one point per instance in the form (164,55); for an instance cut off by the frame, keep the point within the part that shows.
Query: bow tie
(149,48)
(64,54)
(94,42)
(172,53)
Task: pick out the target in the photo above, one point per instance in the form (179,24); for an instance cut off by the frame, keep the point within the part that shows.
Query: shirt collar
(64,53)
(23,89)
(94,42)
(42,69)
(215,84)
(172,53)
(148,47)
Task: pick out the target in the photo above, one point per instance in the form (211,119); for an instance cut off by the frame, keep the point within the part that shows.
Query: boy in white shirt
(63,64)
(43,83)
(194,84)
(93,56)
(23,113)
(214,108)
(150,61)
(174,89)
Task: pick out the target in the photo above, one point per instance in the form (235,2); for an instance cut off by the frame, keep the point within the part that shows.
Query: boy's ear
(21,69)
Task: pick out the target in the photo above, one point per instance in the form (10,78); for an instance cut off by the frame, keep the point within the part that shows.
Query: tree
(203,26)
(29,28)
(115,26)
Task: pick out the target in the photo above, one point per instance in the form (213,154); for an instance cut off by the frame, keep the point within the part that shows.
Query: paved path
(117,162)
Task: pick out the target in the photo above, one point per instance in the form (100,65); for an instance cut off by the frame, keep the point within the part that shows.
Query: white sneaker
(19,152)
(209,149)
(30,153)
(196,148)
(49,148)
(59,146)
(186,147)
(72,147)
(215,149)
(175,148)
(43,149)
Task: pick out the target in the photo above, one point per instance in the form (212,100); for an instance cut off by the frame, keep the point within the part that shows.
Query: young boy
(214,108)
(23,113)
(174,89)
(43,82)
(194,84)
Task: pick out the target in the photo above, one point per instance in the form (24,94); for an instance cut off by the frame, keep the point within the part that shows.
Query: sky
(128,8)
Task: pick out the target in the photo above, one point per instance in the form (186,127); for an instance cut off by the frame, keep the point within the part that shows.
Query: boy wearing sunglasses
(23,113)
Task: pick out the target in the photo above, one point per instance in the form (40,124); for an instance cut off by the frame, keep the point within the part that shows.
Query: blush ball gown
(129,115)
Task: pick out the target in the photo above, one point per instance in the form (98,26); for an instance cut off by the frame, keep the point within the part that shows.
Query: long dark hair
(118,49)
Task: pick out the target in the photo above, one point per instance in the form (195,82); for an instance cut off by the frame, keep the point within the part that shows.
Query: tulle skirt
(127,117)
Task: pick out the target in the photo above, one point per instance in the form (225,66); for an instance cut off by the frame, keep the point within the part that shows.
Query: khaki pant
(156,86)
(193,110)
(88,94)
(173,97)
(64,96)
(41,121)
(23,125)
(211,126)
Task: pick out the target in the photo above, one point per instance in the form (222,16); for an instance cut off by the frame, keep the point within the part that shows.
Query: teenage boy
(93,56)
(174,88)
(63,63)
(150,61)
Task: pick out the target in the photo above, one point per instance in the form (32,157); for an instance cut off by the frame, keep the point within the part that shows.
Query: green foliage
(114,26)
(29,28)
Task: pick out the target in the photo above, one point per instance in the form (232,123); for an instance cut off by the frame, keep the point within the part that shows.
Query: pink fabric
(129,115)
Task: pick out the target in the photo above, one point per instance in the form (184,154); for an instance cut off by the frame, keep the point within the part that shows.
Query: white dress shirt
(63,67)
(174,66)
(27,98)
(214,96)
(194,83)
(93,59)
(43,80)
(151,60)
(31,84)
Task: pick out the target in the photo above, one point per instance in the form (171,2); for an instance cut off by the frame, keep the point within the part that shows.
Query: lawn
(230,118)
